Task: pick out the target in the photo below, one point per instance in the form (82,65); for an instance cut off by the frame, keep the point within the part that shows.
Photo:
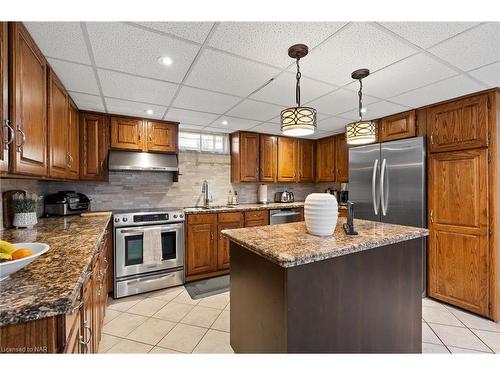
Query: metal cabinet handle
(432,138)
(11,137)
(432,216)
(85,344)
(23,138)
(211,235)
(374,177)
(77,307)
(383,196)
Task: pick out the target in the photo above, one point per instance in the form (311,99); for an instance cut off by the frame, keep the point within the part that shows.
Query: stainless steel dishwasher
(284,215)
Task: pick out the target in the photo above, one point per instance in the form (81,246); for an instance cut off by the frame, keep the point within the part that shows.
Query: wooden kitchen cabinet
(201,244)
(28,103)
(94,146)
(227,220)
(305,160)
(6,133)
(325,159)
(341,159)
(399,126)
(268,158)
(244,157)
(162,137)
(287,159)
(256,218)
(459,257)
(58,126)
(127,133)
(458,125)
(73,142)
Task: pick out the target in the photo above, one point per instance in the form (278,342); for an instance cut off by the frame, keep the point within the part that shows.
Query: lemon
(7,247)
(5,257)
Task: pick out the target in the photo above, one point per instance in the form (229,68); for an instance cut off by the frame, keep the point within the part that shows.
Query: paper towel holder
(263,194)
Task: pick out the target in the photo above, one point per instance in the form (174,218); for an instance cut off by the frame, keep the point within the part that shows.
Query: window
(203,142)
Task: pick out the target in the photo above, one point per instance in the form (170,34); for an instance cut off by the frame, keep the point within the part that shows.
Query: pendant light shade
(360,132)
(298,121)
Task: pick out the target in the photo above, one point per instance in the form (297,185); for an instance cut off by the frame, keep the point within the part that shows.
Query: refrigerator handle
(383,197)
(374,177)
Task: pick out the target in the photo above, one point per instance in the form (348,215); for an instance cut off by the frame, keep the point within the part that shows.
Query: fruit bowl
(37,248)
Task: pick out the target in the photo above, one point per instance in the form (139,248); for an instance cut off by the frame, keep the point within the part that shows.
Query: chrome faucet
(204,191)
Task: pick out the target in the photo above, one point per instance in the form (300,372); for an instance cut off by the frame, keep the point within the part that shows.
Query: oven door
(129,243)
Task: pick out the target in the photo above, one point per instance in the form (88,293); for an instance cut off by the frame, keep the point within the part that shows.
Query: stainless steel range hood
(142,161)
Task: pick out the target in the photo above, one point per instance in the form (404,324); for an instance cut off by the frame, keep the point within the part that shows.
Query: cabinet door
(249,156)
(287,159)
(341,159)
(268,158)
(58,126)
(162,137)
(127,133)
(28,103)
(202,245)
(73,142)
(86,318)
(459,125)
(93,147)
(458,223)
(223,243)
(5,133)
(397,126)
(305,160)
(325,160)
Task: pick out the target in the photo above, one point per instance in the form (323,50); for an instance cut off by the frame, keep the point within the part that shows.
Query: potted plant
(24,206)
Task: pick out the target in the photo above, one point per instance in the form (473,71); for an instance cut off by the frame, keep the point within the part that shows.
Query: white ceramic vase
(24,219)
(321,213)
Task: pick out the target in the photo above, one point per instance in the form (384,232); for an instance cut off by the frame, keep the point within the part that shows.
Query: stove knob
(117,219)
(181,216)
(125,219)
(175,216)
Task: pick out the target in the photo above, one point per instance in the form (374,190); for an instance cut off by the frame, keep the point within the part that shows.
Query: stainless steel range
(136,233)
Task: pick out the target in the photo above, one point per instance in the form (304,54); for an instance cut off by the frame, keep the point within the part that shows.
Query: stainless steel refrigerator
(387,183)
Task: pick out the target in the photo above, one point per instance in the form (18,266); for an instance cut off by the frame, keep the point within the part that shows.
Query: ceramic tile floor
(169,321)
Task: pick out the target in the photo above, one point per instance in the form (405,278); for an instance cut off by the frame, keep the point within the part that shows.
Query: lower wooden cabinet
(256,218)
(227,220)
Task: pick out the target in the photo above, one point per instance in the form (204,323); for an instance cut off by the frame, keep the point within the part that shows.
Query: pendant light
(298,121)
(360,132)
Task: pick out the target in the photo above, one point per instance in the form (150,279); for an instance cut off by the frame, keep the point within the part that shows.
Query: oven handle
(150,278)
(134,231)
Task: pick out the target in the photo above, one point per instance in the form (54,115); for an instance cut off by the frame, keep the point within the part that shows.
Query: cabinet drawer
(252,215)
(229,217)
(202,219)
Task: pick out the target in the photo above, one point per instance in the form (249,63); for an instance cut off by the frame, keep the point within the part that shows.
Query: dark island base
(366,302)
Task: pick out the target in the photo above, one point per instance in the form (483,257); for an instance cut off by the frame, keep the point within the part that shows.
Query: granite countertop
(51,284)
(290,245)
(246,207)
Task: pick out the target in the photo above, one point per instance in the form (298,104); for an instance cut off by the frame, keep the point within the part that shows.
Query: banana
(5,257)
(7,247)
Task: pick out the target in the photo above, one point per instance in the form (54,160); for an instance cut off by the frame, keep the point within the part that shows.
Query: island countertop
(50,285)
(290,245)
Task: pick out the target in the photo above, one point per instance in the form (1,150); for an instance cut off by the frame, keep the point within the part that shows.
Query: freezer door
(402,182)
(364,170)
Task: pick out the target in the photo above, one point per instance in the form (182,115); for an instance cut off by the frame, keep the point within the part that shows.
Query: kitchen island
(292,292)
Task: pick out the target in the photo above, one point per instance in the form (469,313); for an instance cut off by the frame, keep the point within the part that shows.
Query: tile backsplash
(156,189)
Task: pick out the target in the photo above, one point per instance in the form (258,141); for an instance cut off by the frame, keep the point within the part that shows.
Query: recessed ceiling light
(149,111)
(165,60)
(224,122)
(363,110)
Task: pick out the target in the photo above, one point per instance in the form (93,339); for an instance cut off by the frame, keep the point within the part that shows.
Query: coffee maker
(343,195)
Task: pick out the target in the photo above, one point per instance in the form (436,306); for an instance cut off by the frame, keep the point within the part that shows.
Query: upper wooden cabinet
(458,125)
(94,146)
(127,133)
(305,159)
(28,103)
(6,133)
(73,142)
(325,160)
(287,159)
(401,125)
(162,137)
(244,157)
(58,126)
(341,159)
(268,158)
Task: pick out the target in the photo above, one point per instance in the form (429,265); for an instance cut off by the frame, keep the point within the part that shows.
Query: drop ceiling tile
(377,110)
(254,110)
(125,86)
(269,41)
(282,90)
(333,124)
(427,34)
(359,45)
(235,123)
(415,71)
(75,77)
(489,74)
(194,31)
(86,102)
(218,130)
(317,135)
(473,48)
(267,128)
(63,40)
(132,50)
(443,90)
(190,117)
(229,74)
(339,101)
(203,100)
(184,126)
(123,107)
(277,119)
